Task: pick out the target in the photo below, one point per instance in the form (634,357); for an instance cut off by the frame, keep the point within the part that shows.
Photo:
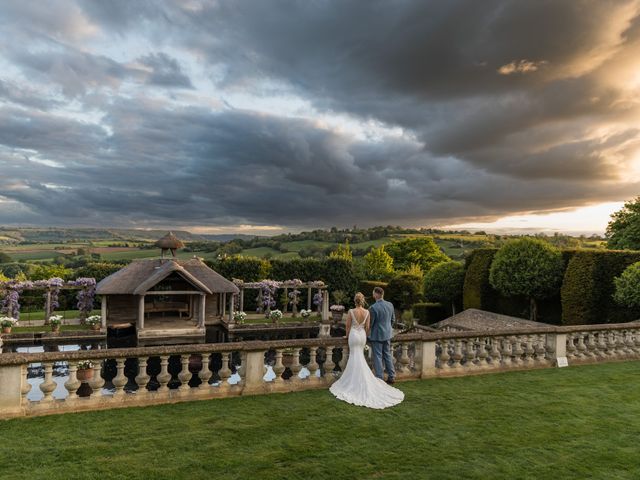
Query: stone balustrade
(166,374)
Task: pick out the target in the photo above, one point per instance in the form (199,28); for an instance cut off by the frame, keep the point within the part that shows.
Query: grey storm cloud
(123,112)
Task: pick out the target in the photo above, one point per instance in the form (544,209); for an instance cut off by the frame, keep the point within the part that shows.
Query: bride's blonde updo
(359,300)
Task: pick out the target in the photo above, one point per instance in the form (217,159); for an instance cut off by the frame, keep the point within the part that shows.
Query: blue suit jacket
(382,317)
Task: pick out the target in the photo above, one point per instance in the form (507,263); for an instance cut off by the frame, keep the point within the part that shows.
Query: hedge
(588,287)
(404,291)
(429,313)
(366,288)
(478,292)
(97,270)
(248,269)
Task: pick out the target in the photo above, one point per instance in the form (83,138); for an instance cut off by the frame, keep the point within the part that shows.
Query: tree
(378,264)
(444,282)
(420,250)
(45,272)
(342,251)
(627,286)
(529,267)
(4,258)
(404,290)
(623,231)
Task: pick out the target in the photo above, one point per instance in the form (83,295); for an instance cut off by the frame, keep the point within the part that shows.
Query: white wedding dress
(358,385)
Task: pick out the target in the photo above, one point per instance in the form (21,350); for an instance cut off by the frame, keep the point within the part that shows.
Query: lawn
(26,316)
(572,423)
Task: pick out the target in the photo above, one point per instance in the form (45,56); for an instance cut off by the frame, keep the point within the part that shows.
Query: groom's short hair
(379,291)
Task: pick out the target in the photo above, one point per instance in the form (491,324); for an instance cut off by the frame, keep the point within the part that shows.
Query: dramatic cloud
(304,114)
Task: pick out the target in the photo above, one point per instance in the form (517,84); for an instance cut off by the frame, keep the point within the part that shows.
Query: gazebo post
(325,305)
(47,307)
(231,310)
(140,312)
(224,304)
(241,299)
(286,299)
(308,298)
(103,311)
(201,310)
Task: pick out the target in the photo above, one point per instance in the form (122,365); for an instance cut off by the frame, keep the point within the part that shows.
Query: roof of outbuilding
(474,319)
(141,275)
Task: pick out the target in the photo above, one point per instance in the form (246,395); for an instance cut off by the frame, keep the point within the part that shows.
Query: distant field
(298,245)
(264,251)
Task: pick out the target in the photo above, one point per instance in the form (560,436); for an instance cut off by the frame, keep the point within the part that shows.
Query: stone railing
(166,374)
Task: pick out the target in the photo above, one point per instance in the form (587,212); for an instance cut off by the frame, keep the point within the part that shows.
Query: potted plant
(239,317)
(275,316)
(305,314)
(94,322)
(336,312)
(55,321)
(7,323)
(85,370)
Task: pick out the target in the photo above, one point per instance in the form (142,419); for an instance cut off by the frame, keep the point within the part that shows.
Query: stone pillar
(557,347)
(309,298)
(47,307)
(11,379)
(254,372)
(141,312)
(202,310)
(103,317)
(241,299)
(428,359)
(325,306)
(286,299)
(231,310)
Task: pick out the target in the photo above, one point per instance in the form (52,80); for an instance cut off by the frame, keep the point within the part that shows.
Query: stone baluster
(580,346)
(404,358)
(72,384)
(457,353)
(164,377)
(48,385)
(344,359)
(473,348)
(205,373)
(97,382)
(571,347)
(592,346)
(329,366)
(26,386)
(444,354)
(313,364)
(494,352)
(517,350)
(482,354)
(225,371)
(529,351)
(295,365)
(602,344)
(185,375)
(142,379)
(505,352)
(278,367)
(629,343)
(636,339)
(241,369)
(540,348)
(120,380)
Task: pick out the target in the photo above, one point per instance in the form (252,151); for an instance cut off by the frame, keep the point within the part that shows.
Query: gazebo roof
(142,275)
(169,241)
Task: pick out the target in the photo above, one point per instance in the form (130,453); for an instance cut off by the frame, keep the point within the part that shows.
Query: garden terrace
(570,424)
(141,376)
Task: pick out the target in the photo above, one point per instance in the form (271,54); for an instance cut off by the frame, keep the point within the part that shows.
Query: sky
(270,116)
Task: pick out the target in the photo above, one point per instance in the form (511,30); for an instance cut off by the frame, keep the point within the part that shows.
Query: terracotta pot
(6,329)
(95,326)
(55,328)
(84,374)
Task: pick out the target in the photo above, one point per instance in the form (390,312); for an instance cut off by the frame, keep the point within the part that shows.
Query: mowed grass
(571,423)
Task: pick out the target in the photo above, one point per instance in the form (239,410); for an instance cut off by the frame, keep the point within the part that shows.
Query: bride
(358,385)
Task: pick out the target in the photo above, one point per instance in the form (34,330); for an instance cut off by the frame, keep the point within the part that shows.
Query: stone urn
(6,329)
(336,315)
(95,326)
(84,374)
(55,328)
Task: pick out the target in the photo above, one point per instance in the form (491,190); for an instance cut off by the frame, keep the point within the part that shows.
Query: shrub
(419,250)
(97,270)
(366,288)
(249,269)
(378,264)
(429,313)
(477,291)
(627,286)
(528,267)
(444,282)
(404,290)
(623,230)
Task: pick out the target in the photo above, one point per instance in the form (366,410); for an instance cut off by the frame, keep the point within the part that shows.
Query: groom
(382,317)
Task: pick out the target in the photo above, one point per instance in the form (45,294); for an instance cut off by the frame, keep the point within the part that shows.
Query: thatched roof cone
(169,242)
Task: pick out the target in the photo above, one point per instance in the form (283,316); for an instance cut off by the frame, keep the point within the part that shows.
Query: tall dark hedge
(404,291)
(97,270)
(587,289)
(429,313)
(248,269)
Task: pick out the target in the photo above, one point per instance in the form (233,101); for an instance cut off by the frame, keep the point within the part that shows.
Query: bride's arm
(348,327)
(367,324)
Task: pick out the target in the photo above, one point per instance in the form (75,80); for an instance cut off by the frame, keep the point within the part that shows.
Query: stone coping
(259,345)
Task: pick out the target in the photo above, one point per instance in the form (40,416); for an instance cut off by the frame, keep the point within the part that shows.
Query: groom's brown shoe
(391,381)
